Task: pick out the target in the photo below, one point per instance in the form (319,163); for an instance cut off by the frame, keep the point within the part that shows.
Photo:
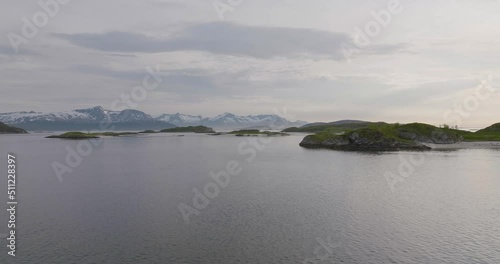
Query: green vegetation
(5,129)
(373,138)
(256,132)
(339,128)
(484,136)
(429,134)
(492,128)
(189,129)
(383,136)
(481,135)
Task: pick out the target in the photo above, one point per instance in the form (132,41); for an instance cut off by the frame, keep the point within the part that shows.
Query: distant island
(189,129)
(81,135)
(5,129)
(390,137)
(256,132)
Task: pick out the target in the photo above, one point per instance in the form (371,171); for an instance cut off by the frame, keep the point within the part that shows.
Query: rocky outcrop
(362,140)
(425,133)
(436,137)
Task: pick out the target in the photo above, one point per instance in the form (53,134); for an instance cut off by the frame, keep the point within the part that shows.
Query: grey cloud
(185,81)
(222,38)
(388,48)
(6,50)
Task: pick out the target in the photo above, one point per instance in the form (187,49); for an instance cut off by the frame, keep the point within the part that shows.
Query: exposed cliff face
(428,134)
(366,139)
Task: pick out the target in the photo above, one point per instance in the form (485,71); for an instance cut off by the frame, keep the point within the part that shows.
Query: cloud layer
(222,38)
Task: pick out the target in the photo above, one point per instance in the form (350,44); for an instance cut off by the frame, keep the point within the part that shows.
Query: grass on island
(479,136)
(389,131)
(189,129)
(75,135)
(371,132)
(397,131)
(256,132)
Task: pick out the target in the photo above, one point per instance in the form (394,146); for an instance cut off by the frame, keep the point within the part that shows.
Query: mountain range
(129,119)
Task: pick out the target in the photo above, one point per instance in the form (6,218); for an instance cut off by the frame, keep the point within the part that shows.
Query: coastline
(465,145)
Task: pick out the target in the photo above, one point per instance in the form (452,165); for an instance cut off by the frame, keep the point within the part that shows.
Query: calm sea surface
(284,204)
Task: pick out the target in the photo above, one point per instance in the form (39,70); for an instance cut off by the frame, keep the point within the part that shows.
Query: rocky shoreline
(362,140)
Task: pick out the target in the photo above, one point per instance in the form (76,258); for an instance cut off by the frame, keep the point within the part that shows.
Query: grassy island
(256,132)
(383,137)
(189,129)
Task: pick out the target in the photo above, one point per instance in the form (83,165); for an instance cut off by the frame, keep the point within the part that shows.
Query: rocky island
(383,137)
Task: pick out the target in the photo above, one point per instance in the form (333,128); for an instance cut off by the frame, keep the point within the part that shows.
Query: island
(6,129)
(256,132)
(81,135)
(189,129)
(384,137)
(148,132)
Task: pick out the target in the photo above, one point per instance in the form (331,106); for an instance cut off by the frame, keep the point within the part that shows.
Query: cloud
(5,50)
(222,38)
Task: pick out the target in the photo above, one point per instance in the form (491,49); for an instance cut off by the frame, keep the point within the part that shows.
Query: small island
(189,129)
(148,132)
(6,129)
(383,137)
(256,132)
(81,135)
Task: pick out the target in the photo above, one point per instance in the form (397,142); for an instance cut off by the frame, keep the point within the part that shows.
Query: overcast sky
(260,55)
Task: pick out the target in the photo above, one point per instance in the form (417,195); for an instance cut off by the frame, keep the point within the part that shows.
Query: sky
(322,60)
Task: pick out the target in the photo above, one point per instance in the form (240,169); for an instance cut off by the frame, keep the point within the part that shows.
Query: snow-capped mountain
(231,121)
(95,118)
(129,119)
(180,119)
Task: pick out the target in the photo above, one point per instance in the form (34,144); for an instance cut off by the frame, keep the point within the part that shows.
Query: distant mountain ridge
(129,119)
(230,121)
(95,118)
